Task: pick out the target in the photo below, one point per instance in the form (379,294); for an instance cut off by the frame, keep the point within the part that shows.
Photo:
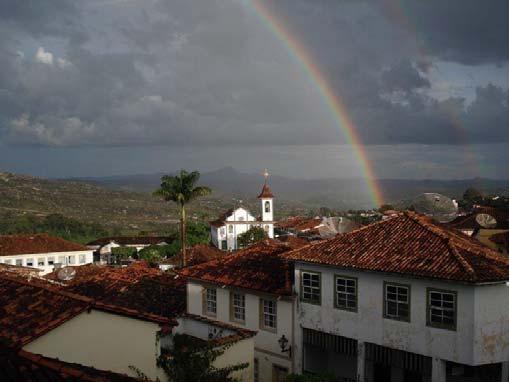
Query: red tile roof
(500,238)
(197,254)
(258,267)
(294,242)
(266,192)
(299,223)
(136,287)
(409,244)
(29,309)
(469,222)
(131,240)
(23,366)
(36,243)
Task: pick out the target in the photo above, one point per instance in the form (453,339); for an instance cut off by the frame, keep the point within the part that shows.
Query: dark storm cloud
(208,72)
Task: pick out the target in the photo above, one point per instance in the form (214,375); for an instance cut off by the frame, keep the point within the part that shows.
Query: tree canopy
(251,236)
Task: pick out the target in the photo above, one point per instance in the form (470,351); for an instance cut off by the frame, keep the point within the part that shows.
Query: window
(30,262)
(397,302)
(241,218)
(61,260)
(72,259)
(83,259)
(269,314)
(230,228)
(256,371)
(238,307)
(310,285)
(8,261)
(222,231)
(41,261)
(51,260)
(346,293)
(19,262)
(441,309)
(267,206)
(210,301)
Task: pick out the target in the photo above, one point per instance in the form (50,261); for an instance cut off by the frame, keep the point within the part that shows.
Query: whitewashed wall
(267,349)
(44,257)
(369,325)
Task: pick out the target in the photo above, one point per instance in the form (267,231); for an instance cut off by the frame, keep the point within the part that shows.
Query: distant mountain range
(335,193)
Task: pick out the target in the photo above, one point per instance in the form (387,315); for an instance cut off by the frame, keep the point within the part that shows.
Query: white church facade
(225,230)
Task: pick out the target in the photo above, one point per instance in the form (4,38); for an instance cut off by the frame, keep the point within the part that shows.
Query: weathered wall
(491,330)
(368,324)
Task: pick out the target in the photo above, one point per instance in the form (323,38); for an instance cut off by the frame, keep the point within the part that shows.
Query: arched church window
(266,228)
(267,206)
(230,228)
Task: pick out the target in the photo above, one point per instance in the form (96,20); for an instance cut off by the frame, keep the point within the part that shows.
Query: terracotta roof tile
(469,222)
(29,309)
(23,366)
(266,192)
(197,254)
(409,244)
(299,223)
(35,243)
(259,267)
(138,286)
(500,238)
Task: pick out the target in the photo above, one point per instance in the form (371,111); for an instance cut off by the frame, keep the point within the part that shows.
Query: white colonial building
(402,300)
(42,251)
(225,230)
(252,290)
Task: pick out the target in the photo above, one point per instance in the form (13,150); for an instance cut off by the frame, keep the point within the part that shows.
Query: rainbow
(299,53)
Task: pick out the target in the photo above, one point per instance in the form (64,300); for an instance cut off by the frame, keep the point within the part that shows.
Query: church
(225,230)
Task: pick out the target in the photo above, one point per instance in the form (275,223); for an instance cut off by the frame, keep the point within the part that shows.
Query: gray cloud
(209,73)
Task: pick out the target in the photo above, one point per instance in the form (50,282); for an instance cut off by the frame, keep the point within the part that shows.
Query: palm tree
(181,189)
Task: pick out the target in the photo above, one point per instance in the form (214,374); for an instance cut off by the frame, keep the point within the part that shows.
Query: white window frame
(30,262)
(210,301)
(436,306)
(39,261)
(82,259)
(268,314)
(19,262)
(344,288)
(71,260)
(311,287)
(397,300)
(238,304)
(51,260)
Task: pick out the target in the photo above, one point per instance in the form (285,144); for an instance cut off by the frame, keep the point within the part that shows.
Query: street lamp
(283,344)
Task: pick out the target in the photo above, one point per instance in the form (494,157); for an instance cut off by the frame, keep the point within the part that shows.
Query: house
(404,299)
(103,246)
(501,240)
(225,230)
(42,251)
(197,254)
(314,228)
(126,320)
(250,289)
(482,223)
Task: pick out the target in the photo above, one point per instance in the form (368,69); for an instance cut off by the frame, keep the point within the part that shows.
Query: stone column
(361,361)
(438,370)
(504,373)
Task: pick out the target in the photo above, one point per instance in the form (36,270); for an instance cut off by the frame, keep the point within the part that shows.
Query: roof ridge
(447,240)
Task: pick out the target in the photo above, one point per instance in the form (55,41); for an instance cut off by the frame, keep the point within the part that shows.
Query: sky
(102,87)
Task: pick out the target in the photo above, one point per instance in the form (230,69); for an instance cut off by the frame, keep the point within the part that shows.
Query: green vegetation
(54,224)
(181,189)
(191,360)
(196,233)
(122,253)
(251,236)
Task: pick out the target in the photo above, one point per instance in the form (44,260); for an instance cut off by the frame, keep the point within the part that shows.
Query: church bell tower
(267,203)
